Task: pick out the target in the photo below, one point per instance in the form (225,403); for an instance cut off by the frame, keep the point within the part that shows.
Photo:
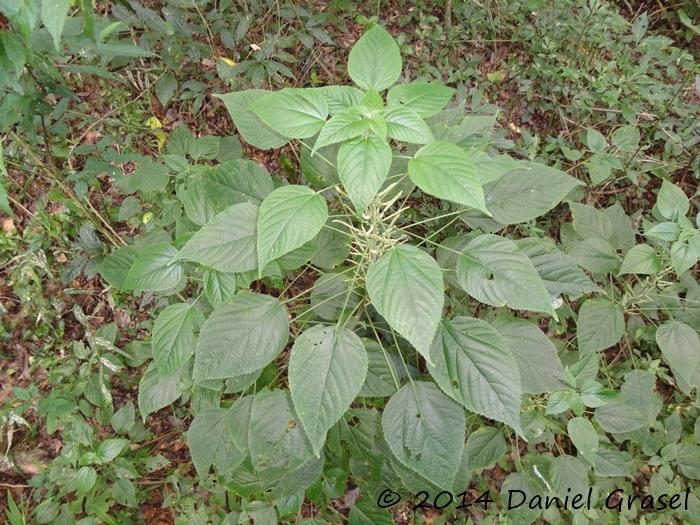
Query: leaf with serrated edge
(241,336)
(363,165)
(289,217)
(173,338)
(444,170)
(374,61)
(327,368)
(293,112)
(600,324)
(475,366)
(405,286)
(227,242)
(425,431)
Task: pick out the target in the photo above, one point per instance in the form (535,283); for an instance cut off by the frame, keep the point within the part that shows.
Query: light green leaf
(327,368)
(340,98)
(559,272)
(289,217)
(444,170)
(156,392)
(422,97)
(173,338)
(641,259)
(474,365)
(405,286)
(53,16)
(344,126)
(155,269)
(595,141)
(375,60)
(4,203)
(626,138)
(596,256)
(381,370)
(636,407)
(611,462)
(665,231)
(539,365)
(584,436)
(680,347)
(109,449)
(671,201)
(253,130)
(568,475)
(525,193)
(278,446)
(115,267)
(484,447)
(293,112)
(492,270)
(241,336)
(219,287)
(331,296)
(85,479)
(210,441)
(227,243)
(365,512)
(683,257)
(600,325)
(404,124)
(236,181)
(363,165)
(206,147)
(425,431)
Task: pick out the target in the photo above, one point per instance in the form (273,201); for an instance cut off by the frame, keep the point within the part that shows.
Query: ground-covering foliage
(269,262)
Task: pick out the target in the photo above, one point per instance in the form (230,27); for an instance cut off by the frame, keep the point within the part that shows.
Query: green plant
(360,281)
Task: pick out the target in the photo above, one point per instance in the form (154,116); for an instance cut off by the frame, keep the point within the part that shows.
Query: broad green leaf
(671,201)
(474,365)
(155,269)
(600,325)
(4,203)
(375,60)
(680,347)
(253,130)
(490,169)
(344,126)
(219,287)
(241,336)
(333,242)
(626,138)
(596,256)
(405,286)
(210,442)
(236,181)
(206,147)
(568,475)
(425,431)
(115,267)
(525,193)
(123,419)
(641,259)
(294,113)
(595,141)
(422,97)
(327,368)
(484,447)
(683,257)
(559,272)
(611,462)
(665,231)
(148,177)
(227,243)
(109,449)
(340,98)
(492,270)
(289,217)
(156,392)
(363,165)
(635,408)
(280,451)
(331,296)
(85,479)
(584,436)
(404,124)
(53,15)
(444,170)
(539,365)
(381,370)
(611,225)
(173,338)
(366,512)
